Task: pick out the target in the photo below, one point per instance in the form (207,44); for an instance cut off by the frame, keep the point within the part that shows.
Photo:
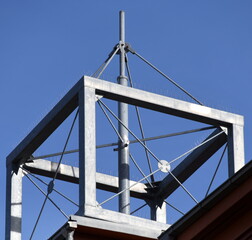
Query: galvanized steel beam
(71,174)
(236,158)
(87,149)
(120,218)
(163,104)
(13,217)
(136,229)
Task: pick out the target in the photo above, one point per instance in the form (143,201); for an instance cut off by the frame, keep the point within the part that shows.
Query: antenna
(123,147)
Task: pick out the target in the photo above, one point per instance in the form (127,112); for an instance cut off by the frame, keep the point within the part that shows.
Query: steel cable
(164,75)
(138,209)
(174,207)
(216,170)
(139,169)
(191,196)
(109,60)
(130,141)
(120,137)
(139,120)
(61,194)
(134,184)
(65,215)
(129,130)
(182,155)
(51,184)
(101,69)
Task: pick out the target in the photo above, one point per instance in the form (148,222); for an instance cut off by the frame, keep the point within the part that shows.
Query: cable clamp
(125,144)
(98,97)
(50,187)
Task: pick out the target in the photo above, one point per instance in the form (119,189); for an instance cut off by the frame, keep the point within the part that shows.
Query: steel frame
(83,95)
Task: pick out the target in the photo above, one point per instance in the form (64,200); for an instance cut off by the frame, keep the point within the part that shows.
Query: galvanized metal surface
(124,230)
(117,217)
(13,217)
(83,94)
(163,104)
(123,147)
(236,158)
(68,173)
(87,150)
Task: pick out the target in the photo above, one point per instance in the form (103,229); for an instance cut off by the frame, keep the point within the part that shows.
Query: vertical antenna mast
(123,153)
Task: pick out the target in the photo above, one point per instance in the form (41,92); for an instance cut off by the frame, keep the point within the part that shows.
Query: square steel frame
(84,95)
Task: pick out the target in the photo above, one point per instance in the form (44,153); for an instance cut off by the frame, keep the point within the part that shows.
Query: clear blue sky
(46,46)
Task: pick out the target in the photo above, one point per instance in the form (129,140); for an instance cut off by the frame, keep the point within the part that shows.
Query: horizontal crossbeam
(71,174)
(163,104)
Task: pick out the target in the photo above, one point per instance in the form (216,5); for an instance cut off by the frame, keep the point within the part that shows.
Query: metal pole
(123,153)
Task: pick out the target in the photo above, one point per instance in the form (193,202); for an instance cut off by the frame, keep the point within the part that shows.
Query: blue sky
(46,46)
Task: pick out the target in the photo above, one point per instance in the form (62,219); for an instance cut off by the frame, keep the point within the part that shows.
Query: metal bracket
(128,48)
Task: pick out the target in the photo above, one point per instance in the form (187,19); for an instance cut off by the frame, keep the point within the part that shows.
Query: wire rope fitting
(164,166)
(128,48)
(125,144)
(50,187)
(120,45)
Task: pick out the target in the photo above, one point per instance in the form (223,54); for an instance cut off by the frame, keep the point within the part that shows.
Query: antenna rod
(123,153)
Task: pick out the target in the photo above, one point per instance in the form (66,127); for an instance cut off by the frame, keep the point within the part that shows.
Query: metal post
(123,154)
(236,158)
(158,213)
(87,152)
(13,203)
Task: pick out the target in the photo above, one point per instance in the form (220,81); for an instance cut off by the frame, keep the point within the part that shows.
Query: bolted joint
(122,47)
(123,145)
(122,44)
(126,46)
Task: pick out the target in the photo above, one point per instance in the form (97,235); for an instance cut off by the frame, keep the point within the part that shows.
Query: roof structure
(225,214)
